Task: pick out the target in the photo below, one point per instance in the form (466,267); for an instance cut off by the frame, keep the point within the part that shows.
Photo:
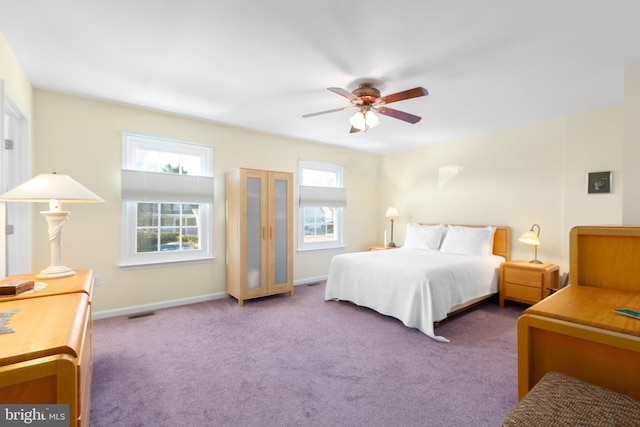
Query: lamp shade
(392,212)
(531,237)
(48,186)
(364,120)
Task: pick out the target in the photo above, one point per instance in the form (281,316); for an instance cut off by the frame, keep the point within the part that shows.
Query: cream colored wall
(631,204)
(81,137)
(16,83)
(515,177)
(18,93)
(594,144)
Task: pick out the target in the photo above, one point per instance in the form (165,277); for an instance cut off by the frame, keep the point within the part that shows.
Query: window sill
(332,248)
(151,264)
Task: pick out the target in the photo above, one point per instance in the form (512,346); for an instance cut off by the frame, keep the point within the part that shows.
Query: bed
(439,270)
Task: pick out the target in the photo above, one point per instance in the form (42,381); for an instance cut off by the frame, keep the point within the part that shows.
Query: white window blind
(322,196)
(157,186)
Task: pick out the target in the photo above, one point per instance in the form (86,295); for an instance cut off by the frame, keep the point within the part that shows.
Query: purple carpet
(301,361)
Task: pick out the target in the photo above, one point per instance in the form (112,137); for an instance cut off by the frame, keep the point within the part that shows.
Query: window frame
(129,257)
(338,242)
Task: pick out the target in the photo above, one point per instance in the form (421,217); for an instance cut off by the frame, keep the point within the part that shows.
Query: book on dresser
(16,287)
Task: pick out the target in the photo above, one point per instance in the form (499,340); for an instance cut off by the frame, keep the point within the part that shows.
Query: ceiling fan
(367,100)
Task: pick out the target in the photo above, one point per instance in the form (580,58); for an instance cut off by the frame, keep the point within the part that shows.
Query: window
(167,199)
(322,200)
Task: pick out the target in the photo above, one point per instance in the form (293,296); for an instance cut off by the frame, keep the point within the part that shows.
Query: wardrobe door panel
(254,233)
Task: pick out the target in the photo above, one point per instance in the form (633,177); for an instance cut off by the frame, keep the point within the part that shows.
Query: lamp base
(391,245)
(535,261)
(55,272)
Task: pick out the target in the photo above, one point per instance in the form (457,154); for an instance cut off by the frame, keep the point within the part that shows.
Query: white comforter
(415,286)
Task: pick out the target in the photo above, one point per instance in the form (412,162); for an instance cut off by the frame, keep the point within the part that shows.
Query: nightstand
(381,248)
(526,282)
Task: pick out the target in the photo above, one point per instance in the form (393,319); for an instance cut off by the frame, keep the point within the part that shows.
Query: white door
(15,217)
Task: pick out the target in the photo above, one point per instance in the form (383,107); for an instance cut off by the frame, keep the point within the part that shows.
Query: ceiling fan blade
(328,111)
(354,129)
(351,97)
(407,94)
(401,115)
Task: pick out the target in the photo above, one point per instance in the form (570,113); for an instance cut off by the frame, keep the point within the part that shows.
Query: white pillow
(473,241)
(490,242)
(425,237)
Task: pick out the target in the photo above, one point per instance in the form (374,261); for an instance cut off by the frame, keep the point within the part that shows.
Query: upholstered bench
(561,400)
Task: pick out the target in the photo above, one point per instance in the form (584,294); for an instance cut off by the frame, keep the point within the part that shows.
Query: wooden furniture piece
(82,281)
(381,248)
(48,357)
(527,282)
(259,233)
(575,331)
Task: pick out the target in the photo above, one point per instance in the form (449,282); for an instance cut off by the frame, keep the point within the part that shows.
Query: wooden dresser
(575,331)
(48,358)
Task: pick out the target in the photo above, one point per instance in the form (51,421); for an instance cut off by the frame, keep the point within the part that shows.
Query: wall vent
(143,314)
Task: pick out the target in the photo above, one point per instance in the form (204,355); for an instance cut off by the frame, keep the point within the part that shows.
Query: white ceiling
(261,65)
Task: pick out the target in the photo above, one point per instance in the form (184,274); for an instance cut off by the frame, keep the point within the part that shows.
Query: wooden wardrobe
(259,233)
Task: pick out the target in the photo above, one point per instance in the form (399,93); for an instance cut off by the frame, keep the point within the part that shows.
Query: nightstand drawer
(523,277)
(522,293)
(526,282)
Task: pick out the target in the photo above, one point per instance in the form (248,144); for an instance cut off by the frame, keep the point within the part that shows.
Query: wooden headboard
(605,257)
(501,240)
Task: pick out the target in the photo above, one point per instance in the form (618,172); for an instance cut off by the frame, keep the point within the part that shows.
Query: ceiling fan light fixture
(368,101)
(372,119)
(365,120)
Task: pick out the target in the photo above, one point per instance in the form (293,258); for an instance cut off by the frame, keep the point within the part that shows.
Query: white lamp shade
(48,186)
(392,212)
(530,238)
(372,119)
(364,120)
(358,121)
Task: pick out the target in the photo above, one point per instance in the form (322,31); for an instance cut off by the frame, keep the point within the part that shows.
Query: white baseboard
(127,311)
(309,280)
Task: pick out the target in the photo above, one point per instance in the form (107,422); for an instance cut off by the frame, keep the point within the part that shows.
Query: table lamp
(532,237)
(392,213)
(54,189)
